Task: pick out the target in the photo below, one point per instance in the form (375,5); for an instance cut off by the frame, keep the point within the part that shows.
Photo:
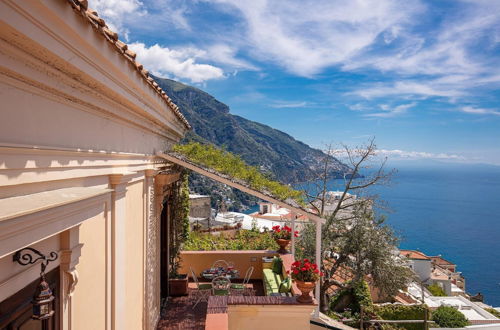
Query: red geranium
(284,232)
(303,270)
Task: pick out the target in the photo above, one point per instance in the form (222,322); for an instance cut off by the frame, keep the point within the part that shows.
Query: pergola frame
(232,183)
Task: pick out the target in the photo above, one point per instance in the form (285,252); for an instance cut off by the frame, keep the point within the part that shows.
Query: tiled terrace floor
(178,313)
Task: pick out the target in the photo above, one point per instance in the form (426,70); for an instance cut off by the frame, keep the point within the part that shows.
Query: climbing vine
(230,164)
(179,220)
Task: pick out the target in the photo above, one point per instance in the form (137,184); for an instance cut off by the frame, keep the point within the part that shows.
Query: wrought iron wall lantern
(42,299)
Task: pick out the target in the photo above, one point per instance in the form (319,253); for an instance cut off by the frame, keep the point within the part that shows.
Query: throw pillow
(285,286)
(277,265)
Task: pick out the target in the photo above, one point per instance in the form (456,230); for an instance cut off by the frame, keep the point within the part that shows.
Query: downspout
(319,263)
(293,233)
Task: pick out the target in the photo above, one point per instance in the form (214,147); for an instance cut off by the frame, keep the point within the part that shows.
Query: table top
(213,273)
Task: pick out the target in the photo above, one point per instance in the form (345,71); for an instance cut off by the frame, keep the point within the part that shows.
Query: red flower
(321,274)
(288,272)
(306,260)
(295,271)
(303,269)
(316,271)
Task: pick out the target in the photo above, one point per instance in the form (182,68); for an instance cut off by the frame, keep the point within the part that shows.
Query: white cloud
(307,36)
(358,107)
(122,15)
(391,111)
(402,154)
(116,12)
(179,63)
(444,62)
(226,55)
(285,104)
(402,88)
(479,111)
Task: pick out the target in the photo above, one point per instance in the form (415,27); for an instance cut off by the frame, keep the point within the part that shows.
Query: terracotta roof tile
(99,25)
(411,254)
(441,261)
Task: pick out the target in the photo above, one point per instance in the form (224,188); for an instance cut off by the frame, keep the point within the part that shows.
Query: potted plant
(305,274)
(177,283)
(282,236)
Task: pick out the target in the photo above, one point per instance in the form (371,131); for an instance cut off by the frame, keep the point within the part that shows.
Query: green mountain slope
(275,152)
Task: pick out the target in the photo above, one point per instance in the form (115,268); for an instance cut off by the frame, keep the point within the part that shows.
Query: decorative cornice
(120,178)
(99,25)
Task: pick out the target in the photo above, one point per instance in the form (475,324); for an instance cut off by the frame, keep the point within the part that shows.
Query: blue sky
(423,77)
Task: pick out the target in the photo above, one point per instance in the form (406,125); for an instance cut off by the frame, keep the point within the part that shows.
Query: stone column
(152,275)
(69,257)
(118,243)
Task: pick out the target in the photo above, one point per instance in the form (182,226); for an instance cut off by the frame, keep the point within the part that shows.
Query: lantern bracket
(31,256)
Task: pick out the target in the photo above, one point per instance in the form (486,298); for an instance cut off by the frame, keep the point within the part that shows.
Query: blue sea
(452,210)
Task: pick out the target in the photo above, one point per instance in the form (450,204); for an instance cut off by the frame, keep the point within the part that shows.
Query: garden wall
(201,260)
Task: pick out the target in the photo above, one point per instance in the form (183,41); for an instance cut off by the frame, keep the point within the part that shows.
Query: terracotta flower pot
(305,288)
(178,286)
(283,243)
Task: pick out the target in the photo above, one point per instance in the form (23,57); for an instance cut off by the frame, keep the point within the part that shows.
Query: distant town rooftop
(193,196)
(412,254)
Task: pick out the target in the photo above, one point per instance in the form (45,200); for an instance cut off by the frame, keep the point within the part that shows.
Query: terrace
(257,310)
(265,307)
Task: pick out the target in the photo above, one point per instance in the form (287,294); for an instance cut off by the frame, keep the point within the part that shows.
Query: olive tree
(354,240)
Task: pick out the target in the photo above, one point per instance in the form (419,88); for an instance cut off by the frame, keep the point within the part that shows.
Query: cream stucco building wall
(80,124)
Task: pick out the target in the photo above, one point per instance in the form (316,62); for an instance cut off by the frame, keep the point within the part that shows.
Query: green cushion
(238,286)
(205,286)
(272,280)
(221,292)
(285,286)
(277,265)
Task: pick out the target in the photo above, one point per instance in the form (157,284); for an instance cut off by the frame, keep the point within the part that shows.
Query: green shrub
(436,290)
(449,317)
(230,164)
(494,312)
(243,240)
(403,312)
(359,295)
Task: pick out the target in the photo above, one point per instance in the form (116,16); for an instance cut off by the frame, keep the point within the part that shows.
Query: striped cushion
(271,281)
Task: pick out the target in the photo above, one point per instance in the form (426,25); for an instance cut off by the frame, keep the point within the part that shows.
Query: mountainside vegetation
(273,151)
(278,155)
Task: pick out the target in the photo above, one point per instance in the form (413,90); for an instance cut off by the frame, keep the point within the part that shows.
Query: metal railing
(372,324)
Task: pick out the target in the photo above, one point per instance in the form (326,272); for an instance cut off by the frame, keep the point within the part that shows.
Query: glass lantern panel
(44,309)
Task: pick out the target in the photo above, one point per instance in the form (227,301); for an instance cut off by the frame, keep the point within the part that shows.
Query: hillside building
(430,271)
